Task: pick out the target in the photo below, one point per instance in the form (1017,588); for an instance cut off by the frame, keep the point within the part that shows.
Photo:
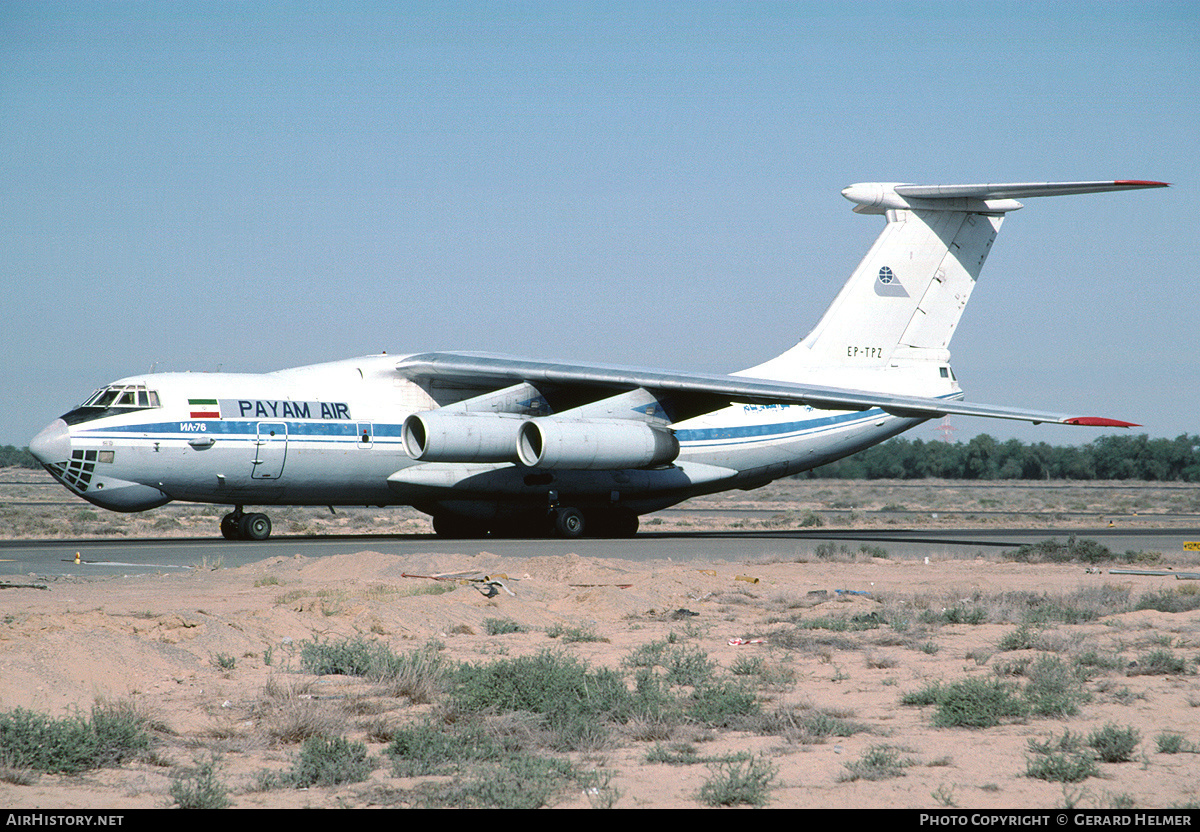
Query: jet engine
(440,436)
(592,445)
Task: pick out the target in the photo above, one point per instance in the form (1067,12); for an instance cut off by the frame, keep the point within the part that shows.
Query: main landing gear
(561,521)
(610,521)
(237,525)
(614,522)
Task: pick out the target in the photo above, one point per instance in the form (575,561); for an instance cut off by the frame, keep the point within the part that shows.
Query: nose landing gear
(237,525)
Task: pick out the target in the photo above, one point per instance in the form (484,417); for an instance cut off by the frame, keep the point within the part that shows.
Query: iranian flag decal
(204,408)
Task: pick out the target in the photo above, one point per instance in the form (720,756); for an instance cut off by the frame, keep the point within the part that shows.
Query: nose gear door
(270,451)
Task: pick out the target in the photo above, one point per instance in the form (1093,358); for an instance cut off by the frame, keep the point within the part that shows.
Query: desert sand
(156,639)
(204,655)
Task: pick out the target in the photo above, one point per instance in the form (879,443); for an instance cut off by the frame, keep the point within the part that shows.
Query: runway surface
(99,558)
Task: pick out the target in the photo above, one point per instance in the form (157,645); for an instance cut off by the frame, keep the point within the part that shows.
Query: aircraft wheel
(229,527)
(569,523)
(255,527)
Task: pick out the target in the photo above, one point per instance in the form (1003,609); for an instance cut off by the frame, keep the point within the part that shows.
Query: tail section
(906,297)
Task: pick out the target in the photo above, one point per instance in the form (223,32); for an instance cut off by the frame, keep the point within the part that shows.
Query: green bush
(1064,760)
(199,788)
(1068,743)
(114,733)
(978,703)
(739,782)
(1170,742)
(1061,767)
(811,520)
(500,626)
(1092,660)
(880,762)
(1054,689)
(1114,744)
(957,614)
(329,762)
(431,749)
(574,701)
(721,704)
(1076,551)
(1022,638)
(687,666)
(519,781)
(1159,663)
(418,674)
(818,726)
(348,657)
(1169,600)
(573,635)
(924,697)
(488,771)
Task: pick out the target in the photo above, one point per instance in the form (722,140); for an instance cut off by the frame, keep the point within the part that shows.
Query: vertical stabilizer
(906,297)
(907,294)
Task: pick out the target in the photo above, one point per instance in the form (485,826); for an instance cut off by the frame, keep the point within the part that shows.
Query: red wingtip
(1142,183)
(1100,422)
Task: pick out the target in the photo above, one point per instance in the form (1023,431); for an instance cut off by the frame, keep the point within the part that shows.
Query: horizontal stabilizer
(990,198)
(1023,190)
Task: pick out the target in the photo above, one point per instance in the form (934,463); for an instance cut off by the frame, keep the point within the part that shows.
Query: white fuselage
(330,434)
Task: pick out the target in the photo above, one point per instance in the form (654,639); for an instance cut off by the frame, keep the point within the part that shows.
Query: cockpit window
(126,396)
(114,400)
(102,398)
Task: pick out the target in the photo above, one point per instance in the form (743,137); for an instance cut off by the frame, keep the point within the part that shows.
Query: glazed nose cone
(53,444)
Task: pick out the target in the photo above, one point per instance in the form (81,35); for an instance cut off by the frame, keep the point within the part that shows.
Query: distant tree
(14,457)
(980,462)
(1113,457)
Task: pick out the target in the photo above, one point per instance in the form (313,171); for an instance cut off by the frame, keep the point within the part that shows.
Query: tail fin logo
(888,285)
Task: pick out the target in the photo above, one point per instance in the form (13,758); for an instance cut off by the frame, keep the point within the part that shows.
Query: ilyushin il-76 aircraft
(498,445)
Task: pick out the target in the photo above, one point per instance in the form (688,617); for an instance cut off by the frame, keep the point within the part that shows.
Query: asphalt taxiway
(105,557)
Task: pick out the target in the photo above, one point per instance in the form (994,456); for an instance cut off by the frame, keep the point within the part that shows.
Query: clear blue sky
(251,186)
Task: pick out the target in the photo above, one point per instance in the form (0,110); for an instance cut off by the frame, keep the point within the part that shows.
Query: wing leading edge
(500,370)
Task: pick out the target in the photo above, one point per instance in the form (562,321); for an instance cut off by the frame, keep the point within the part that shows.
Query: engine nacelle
(594,445)
(438,436)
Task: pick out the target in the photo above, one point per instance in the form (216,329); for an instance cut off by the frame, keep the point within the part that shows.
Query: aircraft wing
(500,370)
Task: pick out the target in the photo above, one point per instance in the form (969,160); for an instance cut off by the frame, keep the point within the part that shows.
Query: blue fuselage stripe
(772,429)
(299,431)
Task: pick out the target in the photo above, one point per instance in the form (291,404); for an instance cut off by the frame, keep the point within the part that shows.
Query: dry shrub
(289,713)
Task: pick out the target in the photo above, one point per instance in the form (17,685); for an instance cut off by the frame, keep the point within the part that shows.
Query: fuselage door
(270,451)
